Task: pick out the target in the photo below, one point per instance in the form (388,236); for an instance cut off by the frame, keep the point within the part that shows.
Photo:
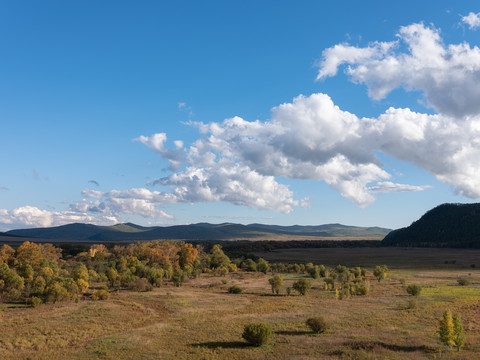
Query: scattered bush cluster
(344,281)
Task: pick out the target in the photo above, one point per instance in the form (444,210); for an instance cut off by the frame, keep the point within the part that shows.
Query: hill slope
(447,225)
(201,231)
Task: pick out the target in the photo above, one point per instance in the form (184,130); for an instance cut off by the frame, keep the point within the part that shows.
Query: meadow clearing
(201,320)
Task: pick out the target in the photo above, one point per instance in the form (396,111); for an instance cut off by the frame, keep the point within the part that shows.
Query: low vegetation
(170,300)
(317,324)
(414,289)
(235,289)
(258,333)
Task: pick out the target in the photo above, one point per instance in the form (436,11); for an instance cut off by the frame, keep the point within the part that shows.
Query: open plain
(201,320)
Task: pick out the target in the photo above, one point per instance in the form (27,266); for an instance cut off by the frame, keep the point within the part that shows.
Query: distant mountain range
(201,231)
(447,225)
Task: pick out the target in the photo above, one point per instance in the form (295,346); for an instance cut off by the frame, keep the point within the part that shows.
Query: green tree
(314,271)
(6,254)
(155,276)
(218,257)
(179,277)
(38,285)
(380,272)
(249,265)
(56,292)
(263,265)
(276,282)
(26,272)
(112,276)
(447,330)
(11,284)
(459,335)
(323,271)
(82,285)
(302,286)
(80,272)
(29,253)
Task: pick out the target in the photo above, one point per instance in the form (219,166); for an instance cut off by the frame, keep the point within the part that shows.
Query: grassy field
(394,257)
(200,320)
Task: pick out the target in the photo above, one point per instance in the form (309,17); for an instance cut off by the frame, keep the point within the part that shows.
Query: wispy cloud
(182,106)
(3,188)
(35,174)
(94,182)
(389,187)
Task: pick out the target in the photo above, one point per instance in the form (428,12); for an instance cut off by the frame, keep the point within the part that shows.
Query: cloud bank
(32,216)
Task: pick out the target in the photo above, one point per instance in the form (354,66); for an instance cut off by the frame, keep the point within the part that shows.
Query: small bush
(411,304)
(258,334)
(235,289)
(414,289)
(463,281)
(34,301)
(317,324)
(363,289)
(101,295)
(224,281)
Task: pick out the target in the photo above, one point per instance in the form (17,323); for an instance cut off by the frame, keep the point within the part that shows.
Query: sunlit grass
(198,321)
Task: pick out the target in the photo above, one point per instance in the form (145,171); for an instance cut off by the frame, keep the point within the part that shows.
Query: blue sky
(281,112)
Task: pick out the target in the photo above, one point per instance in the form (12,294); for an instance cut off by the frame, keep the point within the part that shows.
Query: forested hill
(447,225)
(202,231)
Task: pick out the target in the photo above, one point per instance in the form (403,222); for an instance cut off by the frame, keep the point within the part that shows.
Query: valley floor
(201,320)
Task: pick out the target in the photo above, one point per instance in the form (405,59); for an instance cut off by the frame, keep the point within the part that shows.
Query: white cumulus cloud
(156,142)
(472,20)
(238,161)
(31,216)
(449,76)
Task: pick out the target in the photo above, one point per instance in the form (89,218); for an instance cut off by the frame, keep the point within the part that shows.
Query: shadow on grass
(224,344)
(16,305)
(372,345)
(294,332)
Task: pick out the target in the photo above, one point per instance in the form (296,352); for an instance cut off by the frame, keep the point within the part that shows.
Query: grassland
(394,257)
(200,320)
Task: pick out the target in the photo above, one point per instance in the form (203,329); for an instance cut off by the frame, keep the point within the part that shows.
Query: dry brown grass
(202,321)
